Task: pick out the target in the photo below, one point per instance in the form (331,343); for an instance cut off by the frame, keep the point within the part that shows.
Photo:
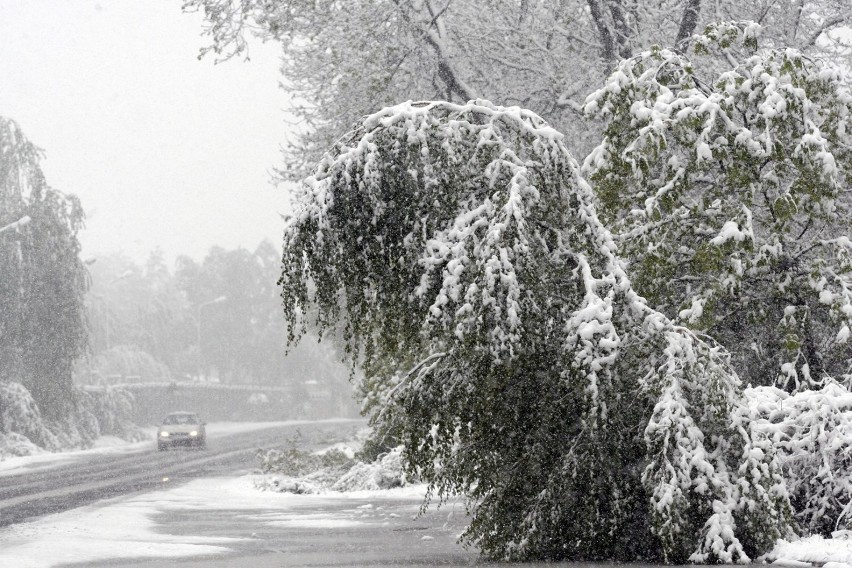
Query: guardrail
(237,403)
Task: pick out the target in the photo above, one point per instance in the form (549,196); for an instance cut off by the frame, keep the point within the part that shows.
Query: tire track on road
(30,495)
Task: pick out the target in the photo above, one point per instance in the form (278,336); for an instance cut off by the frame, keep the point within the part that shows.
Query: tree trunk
(688,21)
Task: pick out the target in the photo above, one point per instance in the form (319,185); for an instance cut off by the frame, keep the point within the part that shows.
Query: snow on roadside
(813,550)
(126,528)
(123,529)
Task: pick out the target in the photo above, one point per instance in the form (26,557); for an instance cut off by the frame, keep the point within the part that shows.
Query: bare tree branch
(446,72)
(828,24)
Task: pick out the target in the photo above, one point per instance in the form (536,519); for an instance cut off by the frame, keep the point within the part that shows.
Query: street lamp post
(105,311)
(218,300)
(16,225)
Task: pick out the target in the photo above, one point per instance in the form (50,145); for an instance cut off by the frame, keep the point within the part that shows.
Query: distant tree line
(110,319)
(218,319)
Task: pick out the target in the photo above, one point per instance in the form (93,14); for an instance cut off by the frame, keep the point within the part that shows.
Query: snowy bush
(24,430)
(19,414)
(813,432)
(112,408)
(296,471)
(295,462)
(505,349)
(20,417)
(13,444)
(385,473)
(79,428)
(286,484)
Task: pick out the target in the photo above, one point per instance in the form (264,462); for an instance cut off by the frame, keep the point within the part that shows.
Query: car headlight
(194,433)
(164,434)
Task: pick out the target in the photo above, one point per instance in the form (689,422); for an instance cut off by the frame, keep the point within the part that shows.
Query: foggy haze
(162,149)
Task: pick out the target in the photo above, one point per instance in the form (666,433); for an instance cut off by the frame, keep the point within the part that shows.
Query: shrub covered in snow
(13,444)
(79,428)
(296,471)
(295,462)
(293,470)
(286,484)
(385,473)
(23,429)
(112,408)
(505,349)
(21,417)
(813,431)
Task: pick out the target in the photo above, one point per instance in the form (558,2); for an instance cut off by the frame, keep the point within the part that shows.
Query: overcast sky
(162,149)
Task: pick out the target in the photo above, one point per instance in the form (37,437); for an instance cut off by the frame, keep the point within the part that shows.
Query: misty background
(162,149)
(172,159)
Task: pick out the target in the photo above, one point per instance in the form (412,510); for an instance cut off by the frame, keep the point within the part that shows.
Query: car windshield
(181,419)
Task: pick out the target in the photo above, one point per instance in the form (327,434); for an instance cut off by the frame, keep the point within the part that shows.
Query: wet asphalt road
(386,532)
(85,479)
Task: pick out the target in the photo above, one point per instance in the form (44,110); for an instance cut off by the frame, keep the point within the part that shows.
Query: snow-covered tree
(344,59)
(730,193)
(42,327)
(505,349)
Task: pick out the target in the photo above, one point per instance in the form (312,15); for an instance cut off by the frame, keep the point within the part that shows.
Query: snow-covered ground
(111,445)
(814,550)
(126,528)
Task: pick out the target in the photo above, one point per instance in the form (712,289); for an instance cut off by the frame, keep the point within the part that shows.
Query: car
(181,429)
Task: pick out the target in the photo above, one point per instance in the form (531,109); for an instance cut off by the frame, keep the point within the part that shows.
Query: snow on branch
(504,346)
(723,187)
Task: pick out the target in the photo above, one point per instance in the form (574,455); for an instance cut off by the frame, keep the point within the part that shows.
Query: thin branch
(828,24)
(446,72)
(416,369)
